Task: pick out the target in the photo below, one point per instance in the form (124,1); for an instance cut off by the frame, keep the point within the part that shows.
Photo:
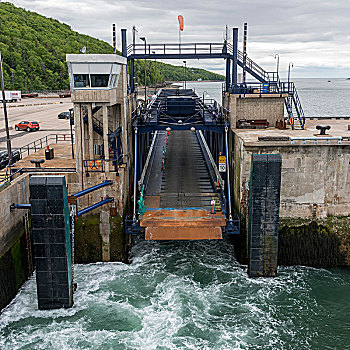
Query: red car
(29,126)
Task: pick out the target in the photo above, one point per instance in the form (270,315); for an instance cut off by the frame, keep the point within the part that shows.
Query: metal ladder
(27,230)
(29,243)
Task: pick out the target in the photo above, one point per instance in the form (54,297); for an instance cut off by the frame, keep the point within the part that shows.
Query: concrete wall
(254,107)
(315,201)
(17,192)
(13,246)
(315,178)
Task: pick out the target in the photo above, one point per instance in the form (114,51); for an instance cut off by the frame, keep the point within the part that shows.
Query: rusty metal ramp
(182,224)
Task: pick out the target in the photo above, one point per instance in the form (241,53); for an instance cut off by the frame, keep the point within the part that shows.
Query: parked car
(29,126)
(4,158)
(63,115)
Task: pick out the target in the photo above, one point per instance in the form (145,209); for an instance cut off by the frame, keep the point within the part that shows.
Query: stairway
(293,105)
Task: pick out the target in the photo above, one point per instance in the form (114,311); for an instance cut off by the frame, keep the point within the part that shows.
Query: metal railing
(177,48)
(99,165)
(10,177)
(250,64)
(43,142)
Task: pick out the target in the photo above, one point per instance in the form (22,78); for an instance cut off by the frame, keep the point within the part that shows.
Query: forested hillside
(34,48)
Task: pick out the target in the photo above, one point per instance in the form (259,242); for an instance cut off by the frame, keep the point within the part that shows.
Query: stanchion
(212,206)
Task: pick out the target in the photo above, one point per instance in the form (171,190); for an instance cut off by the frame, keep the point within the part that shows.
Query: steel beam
(214,128)
(124,44)
(228,76)
(135,174)
(177,56)
(228,175)
(132,75)
(234,60)
(93,188)
(94,206)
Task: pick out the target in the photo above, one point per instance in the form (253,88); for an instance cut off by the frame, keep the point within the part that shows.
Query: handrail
(43,142)
(250,64)
(171,48)
(140,183)
(10,176)
(212,162)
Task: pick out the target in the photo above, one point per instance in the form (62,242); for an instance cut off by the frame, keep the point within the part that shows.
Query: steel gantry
(207,126)
(269,82)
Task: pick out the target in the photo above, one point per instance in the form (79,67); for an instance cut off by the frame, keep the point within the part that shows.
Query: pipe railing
(150,152)
(211,159)
(171,48)
(43,142)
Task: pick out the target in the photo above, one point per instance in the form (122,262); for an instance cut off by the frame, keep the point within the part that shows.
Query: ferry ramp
(178,198)
(181,195)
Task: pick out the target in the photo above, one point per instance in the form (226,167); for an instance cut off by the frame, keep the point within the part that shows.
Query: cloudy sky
(313,34)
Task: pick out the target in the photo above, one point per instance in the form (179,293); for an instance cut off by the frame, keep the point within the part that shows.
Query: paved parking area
(43,110)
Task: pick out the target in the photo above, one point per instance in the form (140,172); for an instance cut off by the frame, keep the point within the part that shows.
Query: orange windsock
(181,22)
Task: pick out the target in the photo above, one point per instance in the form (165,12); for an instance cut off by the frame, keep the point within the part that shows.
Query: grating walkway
(178,198)
(185,181)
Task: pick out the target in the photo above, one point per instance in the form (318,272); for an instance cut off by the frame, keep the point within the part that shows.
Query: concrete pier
(315,187)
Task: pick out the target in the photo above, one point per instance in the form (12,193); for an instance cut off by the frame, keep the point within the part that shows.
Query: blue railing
(276,87)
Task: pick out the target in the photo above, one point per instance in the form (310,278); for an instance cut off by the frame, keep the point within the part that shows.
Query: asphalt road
(43,110)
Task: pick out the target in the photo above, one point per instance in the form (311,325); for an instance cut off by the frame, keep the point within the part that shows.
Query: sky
(312,34)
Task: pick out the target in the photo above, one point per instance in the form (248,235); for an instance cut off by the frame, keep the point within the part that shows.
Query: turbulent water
(189,295)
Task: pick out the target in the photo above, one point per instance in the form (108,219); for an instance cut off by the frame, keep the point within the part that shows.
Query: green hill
(34,48)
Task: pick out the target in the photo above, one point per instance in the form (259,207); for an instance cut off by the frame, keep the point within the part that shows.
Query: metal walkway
(233,57)
(180,194)
(185,181)
(178,197)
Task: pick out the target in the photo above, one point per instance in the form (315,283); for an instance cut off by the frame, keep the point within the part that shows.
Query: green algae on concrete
(87,240)
(13,266)
(17,262)
(321,243)
(117,240)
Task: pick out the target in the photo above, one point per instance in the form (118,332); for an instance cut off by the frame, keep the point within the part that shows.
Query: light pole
(8,140)
(144,40)
(13,85)
(290,65)
(155,74)
(185,74)
(204,94)
(277,56)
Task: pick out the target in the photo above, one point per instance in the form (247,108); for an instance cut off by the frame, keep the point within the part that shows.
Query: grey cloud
(299,30)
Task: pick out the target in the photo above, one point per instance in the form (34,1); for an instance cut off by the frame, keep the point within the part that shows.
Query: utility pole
(114,39)
(144,40)
(245,51)
(8,140)
(185,75)
(155,73)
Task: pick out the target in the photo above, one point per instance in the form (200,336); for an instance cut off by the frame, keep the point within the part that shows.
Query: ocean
(194,295)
